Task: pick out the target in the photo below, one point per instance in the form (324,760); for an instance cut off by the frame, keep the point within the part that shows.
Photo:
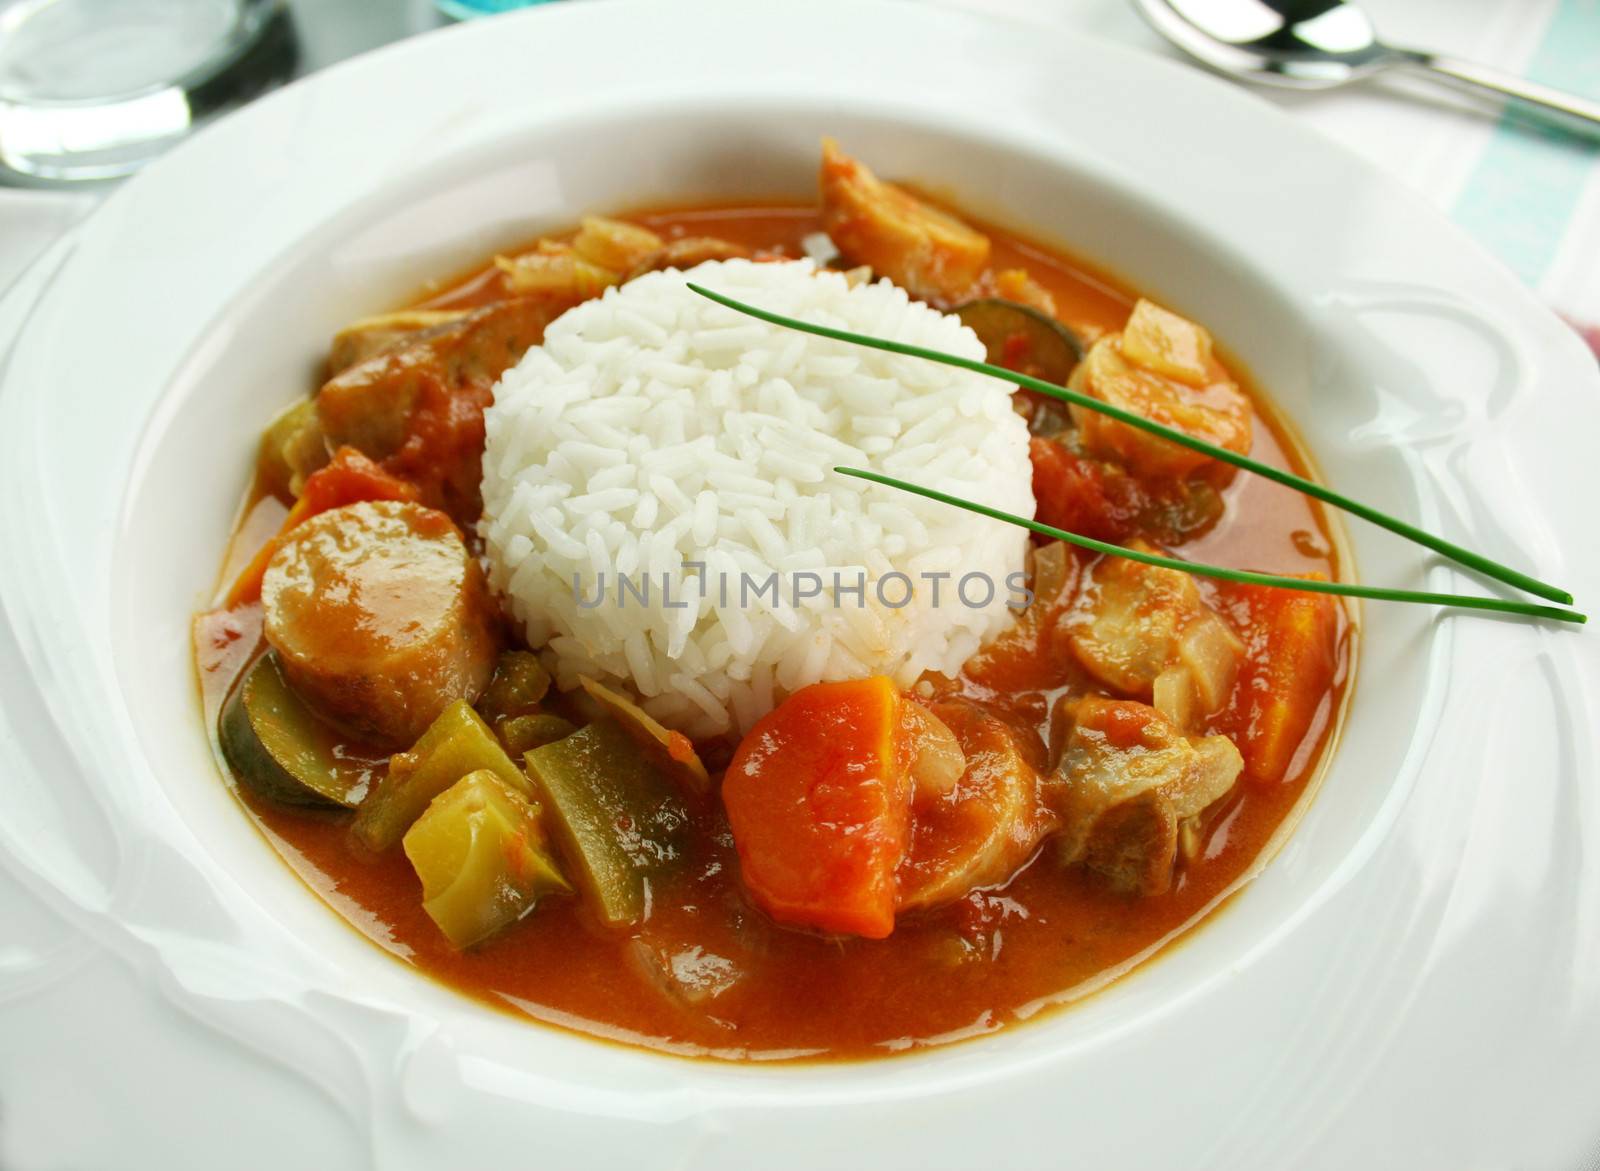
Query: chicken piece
(1139,625)
(981,830)
(369,406)
(371,336)
(1128,778)
(418,409)
(924,250)
(381,618)
(687,252)
(1160,366)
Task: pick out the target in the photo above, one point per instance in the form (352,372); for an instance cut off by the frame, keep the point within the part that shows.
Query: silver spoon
(1317,44)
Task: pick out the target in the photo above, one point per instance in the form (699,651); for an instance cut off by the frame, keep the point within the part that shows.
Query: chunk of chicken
(381,618)
(917,246)
(418,408)
(1161,366)
(371,336)
(980,830)
(1128,779)
(1145,631)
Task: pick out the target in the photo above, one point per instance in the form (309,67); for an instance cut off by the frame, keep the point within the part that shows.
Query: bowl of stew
(1115,761)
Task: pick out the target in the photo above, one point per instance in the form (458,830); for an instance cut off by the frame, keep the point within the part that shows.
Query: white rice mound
(654,428)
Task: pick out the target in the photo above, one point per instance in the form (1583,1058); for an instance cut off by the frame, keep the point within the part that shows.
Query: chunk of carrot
(1293,659)
(348,478)
(819,799)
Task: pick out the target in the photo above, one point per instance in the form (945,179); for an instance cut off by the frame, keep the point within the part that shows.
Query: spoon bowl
(1320,44)
(1308,46)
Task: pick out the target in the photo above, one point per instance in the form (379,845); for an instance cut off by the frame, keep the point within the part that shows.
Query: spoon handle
(1473,75)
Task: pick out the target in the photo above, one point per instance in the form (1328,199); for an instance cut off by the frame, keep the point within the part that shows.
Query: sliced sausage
(980,830)
(380,617)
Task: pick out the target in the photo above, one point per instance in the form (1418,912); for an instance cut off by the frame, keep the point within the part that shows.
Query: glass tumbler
(94,89)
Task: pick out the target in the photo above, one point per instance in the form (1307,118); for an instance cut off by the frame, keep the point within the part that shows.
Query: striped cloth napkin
(1529,194)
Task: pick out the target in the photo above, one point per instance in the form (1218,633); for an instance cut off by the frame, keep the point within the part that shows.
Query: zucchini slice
(522,734)
(277,748)
(458,742)
(517,686)
(619,821)
(1021,338)
(669,751)
(481,855)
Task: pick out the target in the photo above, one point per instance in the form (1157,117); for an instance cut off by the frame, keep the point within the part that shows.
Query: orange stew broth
(945,974)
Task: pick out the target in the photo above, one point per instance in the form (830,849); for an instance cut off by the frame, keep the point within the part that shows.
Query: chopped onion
(1173,695)
(937,761)
(1211,652)
(819,246)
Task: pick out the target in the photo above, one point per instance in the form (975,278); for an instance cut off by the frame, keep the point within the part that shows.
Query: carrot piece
(1294,650)
(348,478)
(819,799)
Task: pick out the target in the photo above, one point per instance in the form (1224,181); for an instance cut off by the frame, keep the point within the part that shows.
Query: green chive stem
(1383,520)
(1310,585)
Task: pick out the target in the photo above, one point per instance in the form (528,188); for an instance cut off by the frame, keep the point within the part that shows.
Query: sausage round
(380,617)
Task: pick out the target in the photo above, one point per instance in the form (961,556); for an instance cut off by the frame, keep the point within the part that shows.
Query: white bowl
(1412,980)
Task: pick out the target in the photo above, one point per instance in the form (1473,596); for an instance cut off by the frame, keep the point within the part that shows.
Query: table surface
(1532,197)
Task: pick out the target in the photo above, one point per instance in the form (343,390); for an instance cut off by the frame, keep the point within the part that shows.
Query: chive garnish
(1395,525)
(1310,585)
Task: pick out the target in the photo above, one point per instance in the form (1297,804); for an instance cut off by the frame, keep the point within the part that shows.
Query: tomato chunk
(1072,492)
(819,799)
(349,478)
(1294,655)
